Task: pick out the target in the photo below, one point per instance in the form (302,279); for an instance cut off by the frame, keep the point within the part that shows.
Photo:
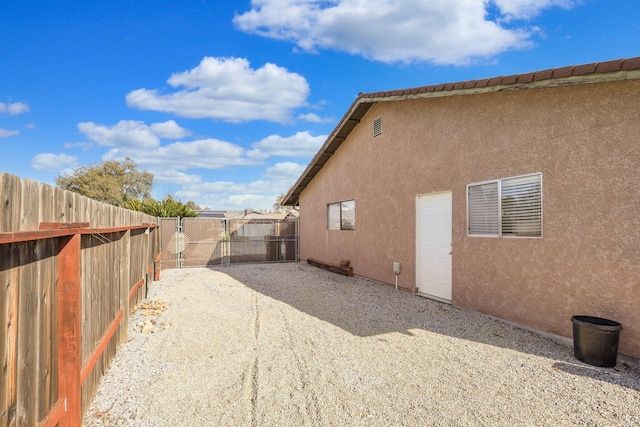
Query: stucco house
(515,196)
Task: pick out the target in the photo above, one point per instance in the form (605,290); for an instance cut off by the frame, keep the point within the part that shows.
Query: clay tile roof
(509,80)
(537,76)
(495,81)
(359,108)
(525,78)
(542,75)
(630,64)
(580,70)
(609,66)
(559,73)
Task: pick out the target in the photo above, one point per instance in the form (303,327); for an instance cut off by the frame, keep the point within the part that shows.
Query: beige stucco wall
(586,142)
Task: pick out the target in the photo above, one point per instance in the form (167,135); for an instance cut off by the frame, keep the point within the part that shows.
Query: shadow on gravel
(366,308)
(619,375)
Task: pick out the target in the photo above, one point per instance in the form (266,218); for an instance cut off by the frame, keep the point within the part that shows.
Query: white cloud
(169,130)
(172,176)
(314,118)
(6,132)
(214,154)
(286,172)
(14,109)
(199,154)
(172,164)
(283,175)
(229,195)
(437,31)
(302,144)
(131,133)
(228,89)
(48,162)
(187,195)
(229,202)
(82,145)
(526,9)
(228,187)
(259,194)
(255,201)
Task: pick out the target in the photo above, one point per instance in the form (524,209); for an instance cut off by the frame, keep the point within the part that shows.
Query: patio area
(290,344)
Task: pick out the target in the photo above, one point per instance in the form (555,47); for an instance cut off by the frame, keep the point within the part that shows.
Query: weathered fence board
(9,273)
(28,331)
(64,296)
(11,202)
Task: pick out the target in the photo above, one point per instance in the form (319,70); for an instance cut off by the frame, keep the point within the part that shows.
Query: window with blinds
(509,207)
(483,203)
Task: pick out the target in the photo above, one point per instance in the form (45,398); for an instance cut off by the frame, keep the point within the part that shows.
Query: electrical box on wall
(396,267)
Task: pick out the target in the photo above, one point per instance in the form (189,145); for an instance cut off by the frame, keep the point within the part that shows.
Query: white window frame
(499,228)
(344,222)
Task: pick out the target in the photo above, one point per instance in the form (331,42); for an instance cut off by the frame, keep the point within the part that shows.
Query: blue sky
(226,102)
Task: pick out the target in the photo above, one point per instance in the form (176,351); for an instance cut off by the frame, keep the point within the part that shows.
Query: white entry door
(433,246)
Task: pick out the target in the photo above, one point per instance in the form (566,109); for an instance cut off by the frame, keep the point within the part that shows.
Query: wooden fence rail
(71,269)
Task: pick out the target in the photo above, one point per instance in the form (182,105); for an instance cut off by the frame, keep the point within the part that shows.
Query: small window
(334,216)
(342,215)
(509,207)
(377,127)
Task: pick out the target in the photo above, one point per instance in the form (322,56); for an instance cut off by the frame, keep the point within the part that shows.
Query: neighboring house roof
(246,214)
(211,214)
(291,214)
(619,69)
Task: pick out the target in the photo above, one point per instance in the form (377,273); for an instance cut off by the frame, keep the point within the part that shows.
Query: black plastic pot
(595,340)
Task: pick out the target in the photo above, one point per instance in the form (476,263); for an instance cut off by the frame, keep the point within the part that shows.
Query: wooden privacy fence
(71,269)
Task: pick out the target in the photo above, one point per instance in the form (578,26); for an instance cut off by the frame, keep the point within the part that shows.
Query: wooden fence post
(69,324)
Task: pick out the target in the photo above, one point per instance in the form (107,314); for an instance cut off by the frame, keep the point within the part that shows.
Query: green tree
(166,208)
(110,182)
(277,205)
(193,205)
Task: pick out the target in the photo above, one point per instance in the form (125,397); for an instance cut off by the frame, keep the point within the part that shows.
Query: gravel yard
(293,345)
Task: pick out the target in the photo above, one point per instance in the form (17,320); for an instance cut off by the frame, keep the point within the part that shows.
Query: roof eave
(599,72)
(511,84)
(348,122)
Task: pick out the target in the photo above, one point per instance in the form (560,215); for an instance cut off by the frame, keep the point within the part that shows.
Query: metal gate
(201,242)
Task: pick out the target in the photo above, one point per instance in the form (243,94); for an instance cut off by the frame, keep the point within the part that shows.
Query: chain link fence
(202,242)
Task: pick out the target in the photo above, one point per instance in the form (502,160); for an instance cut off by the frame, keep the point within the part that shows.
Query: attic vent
(377,127)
